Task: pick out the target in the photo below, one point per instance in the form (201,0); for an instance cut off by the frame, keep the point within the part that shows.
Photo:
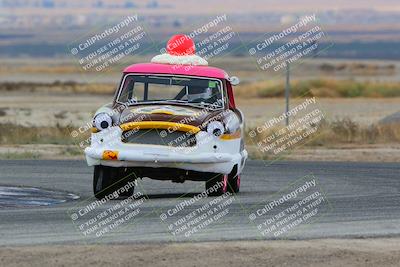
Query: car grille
(159,137)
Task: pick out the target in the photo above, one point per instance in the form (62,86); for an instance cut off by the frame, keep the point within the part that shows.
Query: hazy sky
(241,6)
(290,5)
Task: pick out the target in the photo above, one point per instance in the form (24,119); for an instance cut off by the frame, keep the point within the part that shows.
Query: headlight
(232,123)
(216,128)
(102,121)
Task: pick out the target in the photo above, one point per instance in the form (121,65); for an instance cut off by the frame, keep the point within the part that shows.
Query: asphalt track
(360,200)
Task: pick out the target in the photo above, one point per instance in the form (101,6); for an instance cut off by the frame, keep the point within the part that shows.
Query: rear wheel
(107,180)
(217,185)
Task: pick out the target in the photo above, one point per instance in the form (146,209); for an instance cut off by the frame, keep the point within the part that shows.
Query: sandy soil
(364,111)
(41,151)
(39,109)
(67,109)
(328,252)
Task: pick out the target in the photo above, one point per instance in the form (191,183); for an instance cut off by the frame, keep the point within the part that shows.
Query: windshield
(144,89)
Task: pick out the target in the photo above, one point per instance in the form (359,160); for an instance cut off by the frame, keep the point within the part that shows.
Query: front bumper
(211,154)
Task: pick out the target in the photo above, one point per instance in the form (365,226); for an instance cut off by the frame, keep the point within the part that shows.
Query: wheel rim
(238,181)
(225,183)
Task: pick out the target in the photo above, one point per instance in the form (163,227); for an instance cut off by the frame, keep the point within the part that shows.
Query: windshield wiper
(185,102)
(206,104)
(192,104)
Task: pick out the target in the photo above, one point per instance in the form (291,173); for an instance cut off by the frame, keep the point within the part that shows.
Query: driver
(207,95)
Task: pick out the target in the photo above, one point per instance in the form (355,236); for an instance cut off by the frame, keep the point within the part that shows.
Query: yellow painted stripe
(173,126)
(162,111)
(231,136)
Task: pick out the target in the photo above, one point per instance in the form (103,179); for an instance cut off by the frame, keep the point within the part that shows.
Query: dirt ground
(324,252)
(363,111)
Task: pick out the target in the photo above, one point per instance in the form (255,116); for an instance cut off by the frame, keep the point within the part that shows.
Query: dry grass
(336,137)
(345,131)
(358,68)
(23,155)
(333,138)
(15,134)
(342,132)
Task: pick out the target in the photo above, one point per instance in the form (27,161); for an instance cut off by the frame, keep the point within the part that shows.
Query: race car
(174,119)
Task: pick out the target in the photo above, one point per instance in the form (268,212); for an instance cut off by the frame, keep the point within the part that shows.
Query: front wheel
(234,183)
(107,180)
(217,185)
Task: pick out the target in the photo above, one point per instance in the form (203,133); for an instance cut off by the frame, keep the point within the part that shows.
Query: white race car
(172,119)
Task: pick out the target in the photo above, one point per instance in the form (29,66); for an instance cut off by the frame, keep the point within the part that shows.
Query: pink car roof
(201,71)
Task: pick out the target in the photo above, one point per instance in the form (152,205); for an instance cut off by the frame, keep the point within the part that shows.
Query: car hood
(168,113)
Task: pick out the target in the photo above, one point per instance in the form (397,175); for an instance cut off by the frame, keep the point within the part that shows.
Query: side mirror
(234,80)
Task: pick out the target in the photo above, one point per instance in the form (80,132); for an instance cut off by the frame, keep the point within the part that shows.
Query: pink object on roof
(201,71)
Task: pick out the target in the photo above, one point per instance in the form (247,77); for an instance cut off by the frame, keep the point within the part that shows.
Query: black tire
(106,180)
(233,183)
(217,185)
(102,181)
(123,178)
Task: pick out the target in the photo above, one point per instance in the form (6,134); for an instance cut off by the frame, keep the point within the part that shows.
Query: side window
(132,89)
(226,97)
(138,91)
(126,89)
